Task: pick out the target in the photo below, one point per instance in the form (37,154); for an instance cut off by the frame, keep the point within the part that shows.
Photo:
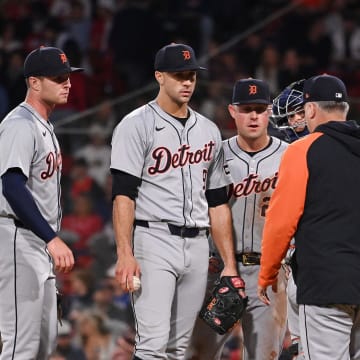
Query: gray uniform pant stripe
(28,316)
(330,332)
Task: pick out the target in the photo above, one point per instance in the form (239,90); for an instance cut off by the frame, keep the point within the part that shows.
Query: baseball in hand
(136,283)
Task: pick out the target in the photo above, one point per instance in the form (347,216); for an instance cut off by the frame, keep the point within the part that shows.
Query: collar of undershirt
(252,153)
(182,120)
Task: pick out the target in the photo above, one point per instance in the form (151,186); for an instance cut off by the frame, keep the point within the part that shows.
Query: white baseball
(136,283)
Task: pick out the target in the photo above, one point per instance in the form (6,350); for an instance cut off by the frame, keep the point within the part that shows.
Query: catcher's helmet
(288,102)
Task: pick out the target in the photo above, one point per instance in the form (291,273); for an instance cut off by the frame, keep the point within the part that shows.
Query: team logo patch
(217,321)
(63,58)
(252,89)
(186,54)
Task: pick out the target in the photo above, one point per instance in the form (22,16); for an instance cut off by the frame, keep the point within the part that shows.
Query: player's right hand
(126,268)
(61,254)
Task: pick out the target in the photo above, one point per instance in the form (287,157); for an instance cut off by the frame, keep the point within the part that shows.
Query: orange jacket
(317,201)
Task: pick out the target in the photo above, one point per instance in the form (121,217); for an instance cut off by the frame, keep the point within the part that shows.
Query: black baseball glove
(225,307)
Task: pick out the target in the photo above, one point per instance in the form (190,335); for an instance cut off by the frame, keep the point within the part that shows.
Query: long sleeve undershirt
(23,204)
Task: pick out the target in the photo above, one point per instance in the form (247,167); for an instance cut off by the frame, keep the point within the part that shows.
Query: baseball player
(30,211)
(169,180)
(288,111)
(253,158)
(323,218)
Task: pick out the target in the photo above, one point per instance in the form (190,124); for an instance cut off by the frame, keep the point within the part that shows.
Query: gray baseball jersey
(254,180)
(32,146)
(27,282)
(177,164)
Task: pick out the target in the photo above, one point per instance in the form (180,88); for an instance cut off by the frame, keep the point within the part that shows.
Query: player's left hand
(262,293)
(61,254)
(225,306)
(227,271)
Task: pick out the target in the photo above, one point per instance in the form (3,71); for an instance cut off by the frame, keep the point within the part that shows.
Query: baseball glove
(225,307)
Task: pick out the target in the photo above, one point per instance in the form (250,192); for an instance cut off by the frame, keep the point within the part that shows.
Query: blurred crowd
(115,41)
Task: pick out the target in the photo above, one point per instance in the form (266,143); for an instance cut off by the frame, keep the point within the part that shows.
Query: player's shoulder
(136,115)
(300,147)
(19,117)
(279,144)
(204,121)
(134,121)
(304,142)
(229,143)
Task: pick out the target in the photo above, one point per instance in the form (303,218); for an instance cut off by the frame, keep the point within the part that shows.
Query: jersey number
(205,172)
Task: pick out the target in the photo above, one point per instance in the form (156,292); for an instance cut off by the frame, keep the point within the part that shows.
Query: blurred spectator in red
(101,25)
(84,222)
(102,80)
(78,182)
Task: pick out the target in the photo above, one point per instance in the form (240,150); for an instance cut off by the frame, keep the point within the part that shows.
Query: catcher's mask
(289,102)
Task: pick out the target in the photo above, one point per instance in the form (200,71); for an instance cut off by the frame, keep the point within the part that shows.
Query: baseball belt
(17,222)
(248,258)
(173,229)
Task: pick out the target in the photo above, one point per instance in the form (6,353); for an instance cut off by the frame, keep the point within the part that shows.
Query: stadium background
(279,41)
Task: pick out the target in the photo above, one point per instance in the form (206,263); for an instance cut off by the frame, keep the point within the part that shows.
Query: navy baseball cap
(47,61)
(324,88)
(176,57)
(251,91)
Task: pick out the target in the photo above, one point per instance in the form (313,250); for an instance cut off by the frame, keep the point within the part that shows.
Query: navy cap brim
(252,102)
(180,69)
(74,69)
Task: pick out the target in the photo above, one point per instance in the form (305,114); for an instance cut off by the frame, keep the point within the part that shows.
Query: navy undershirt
(23,204)
(127,184)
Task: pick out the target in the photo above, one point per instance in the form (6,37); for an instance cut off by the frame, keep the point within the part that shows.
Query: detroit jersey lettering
(174,159)
(255,179)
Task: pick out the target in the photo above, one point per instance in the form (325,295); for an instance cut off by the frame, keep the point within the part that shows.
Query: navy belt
(174,230)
